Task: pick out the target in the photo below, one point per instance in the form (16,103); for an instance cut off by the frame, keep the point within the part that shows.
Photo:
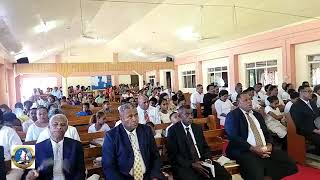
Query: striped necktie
(255,131)
(137,165)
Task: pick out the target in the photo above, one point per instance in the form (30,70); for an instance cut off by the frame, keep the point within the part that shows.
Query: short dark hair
(272,87)
(259,84)
(161,100)
(223,92)
(271,99)
(198,85)
(304,83)
(240,94)
(291,91)
(170,116)
(301,88)
(210,86)
(153,99)
(266,87)
(287,86)
(18,105)
(316,88)
(1,117)
(294,95)
(249,89)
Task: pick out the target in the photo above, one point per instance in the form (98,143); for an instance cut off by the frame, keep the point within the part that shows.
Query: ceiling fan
(84,34)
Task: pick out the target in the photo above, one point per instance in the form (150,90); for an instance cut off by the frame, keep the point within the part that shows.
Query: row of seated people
(185,116)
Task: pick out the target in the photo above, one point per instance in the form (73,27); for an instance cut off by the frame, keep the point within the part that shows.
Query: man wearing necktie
(303,113)
(187,149)
(59,157)
(147,113)
(250,144)
(129,150)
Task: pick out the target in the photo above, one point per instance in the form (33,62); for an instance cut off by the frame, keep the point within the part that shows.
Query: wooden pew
(215,139)
(199,111)
(202,121)
(162,126)
(90,154)
(91,136)
(296,142)
(213,122)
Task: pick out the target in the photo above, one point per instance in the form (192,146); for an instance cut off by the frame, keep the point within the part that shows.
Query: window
(314,65)
(189,79)
(152,79)
(218,76)
(265,72)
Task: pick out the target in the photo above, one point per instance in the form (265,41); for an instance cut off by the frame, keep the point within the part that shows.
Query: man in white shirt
(258,93)
(196,98)
(238,90)
(8,138)
(250,144)
(146,112)
(59,157)
(282,89)
(57,93)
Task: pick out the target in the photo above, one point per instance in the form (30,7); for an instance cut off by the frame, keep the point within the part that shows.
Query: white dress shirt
(8,137)
(285,96)
(70,133)
(165,118)
(192,136)
(234,97)
(104,128)
(57,94)
(33,132)
(153,114)
(318,100)
(136,140)
(26,125)
(222,108)
(251,140)
(288,107)
(57,149)
(196,98)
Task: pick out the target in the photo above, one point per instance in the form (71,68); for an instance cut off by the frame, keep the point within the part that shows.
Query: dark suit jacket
(73,162)
(178,150)
(2,165)
(118,157)
(236,127)
(207,103)
(304,117)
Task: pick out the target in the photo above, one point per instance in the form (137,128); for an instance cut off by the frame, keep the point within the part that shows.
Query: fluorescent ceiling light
(138,52)
(187,34)
(45,26)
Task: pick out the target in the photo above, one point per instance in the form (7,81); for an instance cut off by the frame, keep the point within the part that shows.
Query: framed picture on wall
(100,82)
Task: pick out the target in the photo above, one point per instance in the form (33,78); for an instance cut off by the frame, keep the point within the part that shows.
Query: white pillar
(140,81)
(64,83)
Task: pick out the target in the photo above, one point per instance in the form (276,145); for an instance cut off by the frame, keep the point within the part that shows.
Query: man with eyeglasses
(303,113)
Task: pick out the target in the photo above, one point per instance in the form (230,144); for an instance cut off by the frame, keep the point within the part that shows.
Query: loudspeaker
(23,60)
(169,59)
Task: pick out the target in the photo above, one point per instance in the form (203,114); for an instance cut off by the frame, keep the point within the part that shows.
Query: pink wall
(285,38)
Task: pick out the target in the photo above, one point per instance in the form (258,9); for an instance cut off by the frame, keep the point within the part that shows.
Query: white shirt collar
(54,144)
(245,112)
(134,132)
(307,102)
(184,126)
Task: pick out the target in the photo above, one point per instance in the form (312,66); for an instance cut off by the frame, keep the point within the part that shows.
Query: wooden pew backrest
(296,143)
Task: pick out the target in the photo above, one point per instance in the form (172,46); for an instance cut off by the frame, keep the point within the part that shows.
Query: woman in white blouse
(37,127)
(99,124)
(223,106)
